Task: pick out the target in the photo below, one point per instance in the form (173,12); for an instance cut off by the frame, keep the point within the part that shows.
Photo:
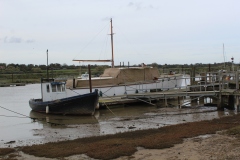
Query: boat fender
(47,109)
(136,91)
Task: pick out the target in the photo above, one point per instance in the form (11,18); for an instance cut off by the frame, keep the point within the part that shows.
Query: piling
(74,83)
(90,80)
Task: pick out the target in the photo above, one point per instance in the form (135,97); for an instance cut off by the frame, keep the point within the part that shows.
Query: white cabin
(53,91)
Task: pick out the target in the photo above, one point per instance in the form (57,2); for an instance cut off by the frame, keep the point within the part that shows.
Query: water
(18,129)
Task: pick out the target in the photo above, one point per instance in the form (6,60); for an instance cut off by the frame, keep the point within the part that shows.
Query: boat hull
(161,84)
(76,105)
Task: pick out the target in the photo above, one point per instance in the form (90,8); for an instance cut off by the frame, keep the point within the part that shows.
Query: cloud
(12,40)
(30,41)
(16,40)
(139,6)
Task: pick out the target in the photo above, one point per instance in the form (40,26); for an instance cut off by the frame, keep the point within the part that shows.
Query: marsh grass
(125,144)
(5,151)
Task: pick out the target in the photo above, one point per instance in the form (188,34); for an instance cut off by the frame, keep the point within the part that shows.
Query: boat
(124,80)
(55,100)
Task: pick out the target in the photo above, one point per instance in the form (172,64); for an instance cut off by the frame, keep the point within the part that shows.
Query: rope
(109,109)
(26,116)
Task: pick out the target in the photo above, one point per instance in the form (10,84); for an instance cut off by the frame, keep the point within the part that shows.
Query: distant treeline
(27,68)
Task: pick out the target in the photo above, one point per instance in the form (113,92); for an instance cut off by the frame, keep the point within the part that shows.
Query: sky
(152,31)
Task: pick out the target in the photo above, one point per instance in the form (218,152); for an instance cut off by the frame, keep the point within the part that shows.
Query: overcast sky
(150,31)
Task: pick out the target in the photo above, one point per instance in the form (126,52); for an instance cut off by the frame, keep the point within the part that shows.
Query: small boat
(55,100)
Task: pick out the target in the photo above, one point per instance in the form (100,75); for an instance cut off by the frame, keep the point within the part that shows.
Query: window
(54,89)
(63,87)
(59,88)
(48,89)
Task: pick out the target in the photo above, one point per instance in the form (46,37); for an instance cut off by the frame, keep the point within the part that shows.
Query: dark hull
(76,105)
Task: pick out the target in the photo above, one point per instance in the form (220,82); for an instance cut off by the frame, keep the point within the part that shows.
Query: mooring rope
(26,116)
(109,109)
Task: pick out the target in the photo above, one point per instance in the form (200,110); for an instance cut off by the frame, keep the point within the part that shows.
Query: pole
(90,82)
(112,43)
(47,65)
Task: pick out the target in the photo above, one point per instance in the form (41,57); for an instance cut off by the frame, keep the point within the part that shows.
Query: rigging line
(28,116)
(106,44)
(91,40)
(109,109)
(131,44)
(73,91)
(14,112)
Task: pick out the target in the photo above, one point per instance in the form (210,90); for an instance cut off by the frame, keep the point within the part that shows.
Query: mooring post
(220,100)
(179,106)
(205,81)
(231,100)
(74,83)
(237,88)
(165,97)
(90,80)
(237,80)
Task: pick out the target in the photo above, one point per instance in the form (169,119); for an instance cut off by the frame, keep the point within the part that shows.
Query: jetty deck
(218,85)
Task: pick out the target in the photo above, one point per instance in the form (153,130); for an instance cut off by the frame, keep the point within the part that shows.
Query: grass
(5,151)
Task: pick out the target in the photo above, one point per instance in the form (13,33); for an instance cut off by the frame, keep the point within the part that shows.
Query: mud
(53,128)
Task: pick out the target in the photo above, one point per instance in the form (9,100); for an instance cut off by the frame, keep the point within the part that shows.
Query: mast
(110,60)
(224,56)
(112,43)
(47,65)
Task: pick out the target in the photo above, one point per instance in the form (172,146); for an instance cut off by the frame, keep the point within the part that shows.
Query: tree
(155,65)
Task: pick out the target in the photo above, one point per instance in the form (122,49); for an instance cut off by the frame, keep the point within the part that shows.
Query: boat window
(54,89)
(59,88)
(63,87)
(48,89)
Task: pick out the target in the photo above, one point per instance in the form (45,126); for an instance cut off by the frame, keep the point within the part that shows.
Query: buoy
(47,109)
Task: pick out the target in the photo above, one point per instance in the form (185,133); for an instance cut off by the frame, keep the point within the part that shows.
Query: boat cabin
(52,90)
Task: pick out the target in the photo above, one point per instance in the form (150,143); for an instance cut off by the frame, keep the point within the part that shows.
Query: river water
(21,126)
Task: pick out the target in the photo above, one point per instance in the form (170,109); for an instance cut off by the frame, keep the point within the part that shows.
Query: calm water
(16,126)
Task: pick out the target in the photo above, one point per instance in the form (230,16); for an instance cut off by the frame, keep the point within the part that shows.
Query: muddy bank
(128,143)
(54,128)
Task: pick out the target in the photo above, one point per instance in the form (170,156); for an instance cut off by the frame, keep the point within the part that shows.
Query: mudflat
(210,139)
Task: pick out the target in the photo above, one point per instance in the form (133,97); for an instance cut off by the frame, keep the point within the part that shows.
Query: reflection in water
(62,120)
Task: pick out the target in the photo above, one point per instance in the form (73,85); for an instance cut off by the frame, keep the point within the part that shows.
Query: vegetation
(124,144)
(21,73)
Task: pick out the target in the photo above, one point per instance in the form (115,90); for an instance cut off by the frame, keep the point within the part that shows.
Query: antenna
(224,56)
(47,65)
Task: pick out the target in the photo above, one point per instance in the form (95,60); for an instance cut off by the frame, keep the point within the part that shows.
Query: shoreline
(180,140)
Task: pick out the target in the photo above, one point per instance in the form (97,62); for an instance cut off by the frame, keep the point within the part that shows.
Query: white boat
(125,80)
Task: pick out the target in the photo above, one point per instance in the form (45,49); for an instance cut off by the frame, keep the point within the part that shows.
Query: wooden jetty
(223,86)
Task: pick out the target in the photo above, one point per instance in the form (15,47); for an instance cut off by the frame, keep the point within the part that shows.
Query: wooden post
(237,88)
(237,103)
(90,81)
(220,103)
(74,83)
(179,106)
(231,100)
(165,97)
(237,80)
(220,100)
(205,81)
